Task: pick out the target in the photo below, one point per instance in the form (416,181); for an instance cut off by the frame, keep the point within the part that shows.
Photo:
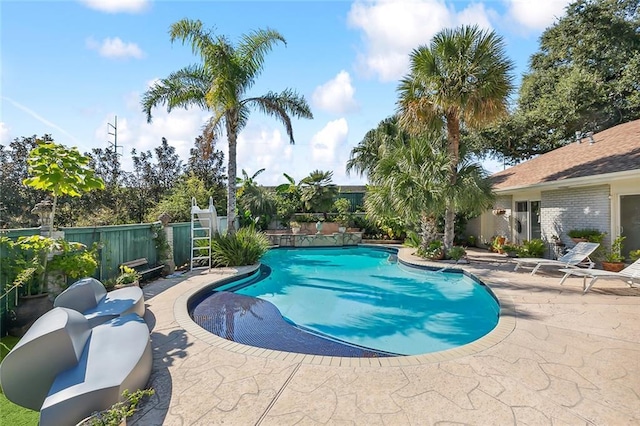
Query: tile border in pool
(506,324)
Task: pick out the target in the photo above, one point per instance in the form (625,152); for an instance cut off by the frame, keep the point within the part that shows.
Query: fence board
(181,242)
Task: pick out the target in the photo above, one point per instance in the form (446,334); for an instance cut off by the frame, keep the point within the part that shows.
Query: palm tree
(461,80)
(365,155)
(411,181)
(318,192)
(220,84)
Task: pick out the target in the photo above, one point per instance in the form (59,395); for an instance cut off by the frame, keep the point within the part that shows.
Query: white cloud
(336,95)
(116,6)
(4,133)
(330,139)
(115,48)
(263,147)
(536,15)
(391,29)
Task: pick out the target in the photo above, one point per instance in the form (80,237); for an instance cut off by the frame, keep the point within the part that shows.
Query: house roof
(616,149)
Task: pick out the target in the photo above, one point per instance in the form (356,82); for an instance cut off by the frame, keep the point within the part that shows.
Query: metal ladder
(203,224)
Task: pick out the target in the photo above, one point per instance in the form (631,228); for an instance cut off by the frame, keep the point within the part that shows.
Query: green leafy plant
(532,248)
(294,224)
(73,259)
(127,276)
(511,249)
(119,411)
(245,247)
(413,239)
(634,255)
(160,241)
(586,233)
(497,243)
(433,251)
(615,254)
(343,207)
(456,253)
(59,171)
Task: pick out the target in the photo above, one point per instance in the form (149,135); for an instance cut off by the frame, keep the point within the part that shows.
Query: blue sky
(70,67)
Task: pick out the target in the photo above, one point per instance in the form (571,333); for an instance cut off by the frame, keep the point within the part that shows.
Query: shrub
(456,253)
(245,247)
(413,239)
(433,251)
(586,233)
(634,255)
(532,248)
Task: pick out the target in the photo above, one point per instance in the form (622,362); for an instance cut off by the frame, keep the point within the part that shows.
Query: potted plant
(497,243)
(295,226)
(613,259)
(128,277)
(634,255)
(584,234)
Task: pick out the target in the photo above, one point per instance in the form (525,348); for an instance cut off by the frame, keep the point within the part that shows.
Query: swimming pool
(353,301)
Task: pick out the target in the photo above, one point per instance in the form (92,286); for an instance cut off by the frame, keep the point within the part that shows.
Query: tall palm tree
(461,80)
(220,84)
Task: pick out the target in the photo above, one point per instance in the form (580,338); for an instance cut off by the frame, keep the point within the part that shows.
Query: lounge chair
(630,273)
(575,258)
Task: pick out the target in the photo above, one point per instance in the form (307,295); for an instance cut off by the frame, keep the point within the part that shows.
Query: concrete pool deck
(559,357)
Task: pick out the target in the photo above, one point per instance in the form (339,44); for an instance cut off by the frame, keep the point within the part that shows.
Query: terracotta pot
(578,240)
(613,266)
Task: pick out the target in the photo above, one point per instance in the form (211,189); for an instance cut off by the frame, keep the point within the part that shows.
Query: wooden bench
(142,266)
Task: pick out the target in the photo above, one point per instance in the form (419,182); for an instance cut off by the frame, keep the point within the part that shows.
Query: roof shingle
(615,150)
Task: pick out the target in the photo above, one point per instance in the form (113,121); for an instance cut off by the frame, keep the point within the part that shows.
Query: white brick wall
(575,208)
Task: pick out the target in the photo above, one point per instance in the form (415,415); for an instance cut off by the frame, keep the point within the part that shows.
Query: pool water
(364,297)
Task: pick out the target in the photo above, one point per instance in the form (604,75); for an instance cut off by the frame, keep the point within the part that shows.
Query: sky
(69,68)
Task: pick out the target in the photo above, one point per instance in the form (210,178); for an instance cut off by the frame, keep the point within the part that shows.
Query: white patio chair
(630,274)
(575,258)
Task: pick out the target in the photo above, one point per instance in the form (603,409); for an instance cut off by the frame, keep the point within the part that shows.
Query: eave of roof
(615,150)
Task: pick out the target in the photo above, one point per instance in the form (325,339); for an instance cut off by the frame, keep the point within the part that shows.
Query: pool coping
(506,325)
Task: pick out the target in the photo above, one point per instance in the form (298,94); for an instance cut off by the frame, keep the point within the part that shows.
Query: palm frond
(192,31)
(251,51)
(281,106)
(184,88)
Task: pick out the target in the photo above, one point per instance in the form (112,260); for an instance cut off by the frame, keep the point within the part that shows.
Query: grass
(13,414)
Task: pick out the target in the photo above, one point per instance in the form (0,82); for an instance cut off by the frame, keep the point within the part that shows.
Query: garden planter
(29,309)
(613,266)
(136,283)
(579,240)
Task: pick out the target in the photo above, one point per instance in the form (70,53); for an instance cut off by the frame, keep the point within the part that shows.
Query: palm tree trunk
(428,228)
(453,146)
(232,138)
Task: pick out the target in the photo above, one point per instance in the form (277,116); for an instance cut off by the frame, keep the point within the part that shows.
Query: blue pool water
(362,297)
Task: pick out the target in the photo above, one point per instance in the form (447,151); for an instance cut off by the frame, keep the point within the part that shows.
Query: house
(593,182)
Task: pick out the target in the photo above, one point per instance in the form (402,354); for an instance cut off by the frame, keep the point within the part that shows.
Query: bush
(456,253)
(532,248)
(586,233)
(245,247)
(433,251)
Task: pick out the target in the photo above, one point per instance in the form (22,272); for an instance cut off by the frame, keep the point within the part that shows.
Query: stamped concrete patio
(557,357)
